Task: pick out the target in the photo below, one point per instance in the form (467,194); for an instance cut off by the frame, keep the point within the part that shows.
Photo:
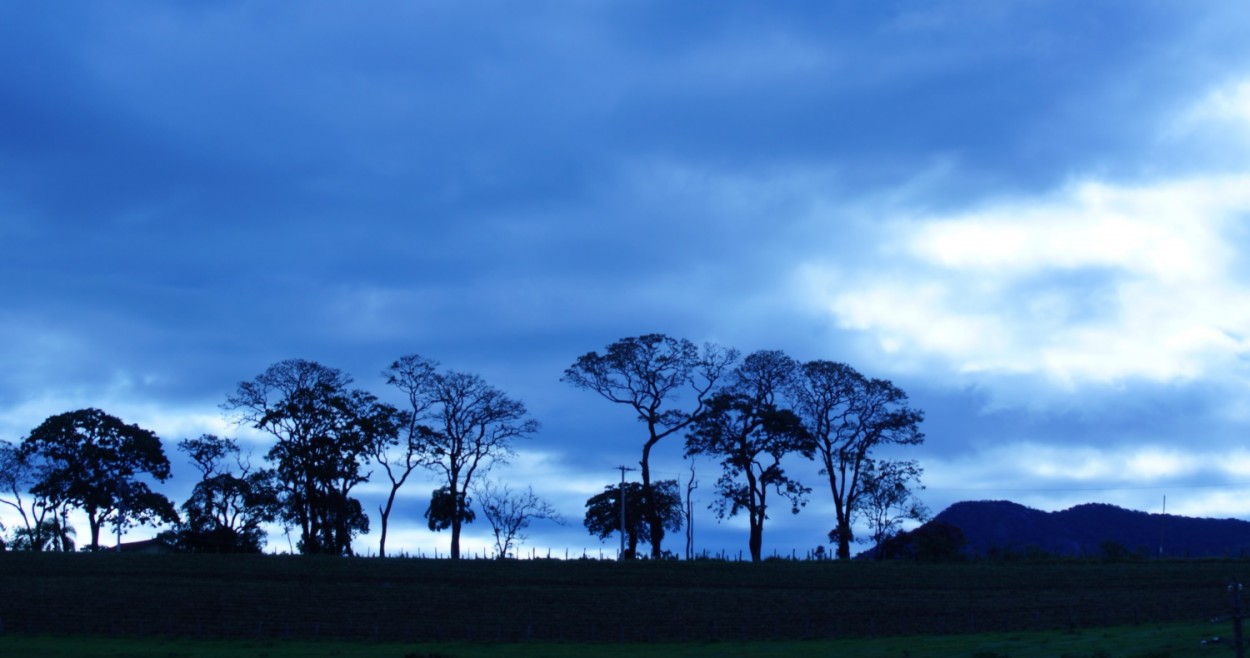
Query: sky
(1031,217)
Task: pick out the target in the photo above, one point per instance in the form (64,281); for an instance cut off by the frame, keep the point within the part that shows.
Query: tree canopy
(649,374)
(93,461)
(850,416)
(750,432)
(325,433)
(603,512)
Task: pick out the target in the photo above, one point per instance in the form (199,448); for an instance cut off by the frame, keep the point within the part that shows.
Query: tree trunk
(455,536)
(386,517)
(844,540)
(756,540)
(649,508)
(93,522)
(382,541)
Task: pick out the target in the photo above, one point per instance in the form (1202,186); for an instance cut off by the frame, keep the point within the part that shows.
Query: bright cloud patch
(1097,283)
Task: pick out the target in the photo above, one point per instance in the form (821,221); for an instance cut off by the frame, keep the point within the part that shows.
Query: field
(273,598)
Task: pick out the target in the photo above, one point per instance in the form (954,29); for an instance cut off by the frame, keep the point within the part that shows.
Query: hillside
(1003,526)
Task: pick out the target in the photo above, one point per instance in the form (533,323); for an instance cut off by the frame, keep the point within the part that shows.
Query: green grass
(1147,641)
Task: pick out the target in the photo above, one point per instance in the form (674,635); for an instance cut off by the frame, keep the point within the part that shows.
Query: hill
(1003,527)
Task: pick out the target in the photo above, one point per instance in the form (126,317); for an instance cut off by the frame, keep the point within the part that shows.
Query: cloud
(1097,282)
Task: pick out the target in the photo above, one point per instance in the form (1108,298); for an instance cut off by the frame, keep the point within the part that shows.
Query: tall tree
(889,498)
(747,429)
(402,453)
(649,374)
(510,513)
(472,425)
(850,416)
(325,433)
(93,461)
(230,504)
(603,512)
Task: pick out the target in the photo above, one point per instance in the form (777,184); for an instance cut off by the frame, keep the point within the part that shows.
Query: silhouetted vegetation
(747,427)
(649,374)
(325,433)
(92,461)
(749,415)
(603,512)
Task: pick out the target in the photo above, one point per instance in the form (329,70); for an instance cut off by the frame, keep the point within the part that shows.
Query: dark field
(439,600)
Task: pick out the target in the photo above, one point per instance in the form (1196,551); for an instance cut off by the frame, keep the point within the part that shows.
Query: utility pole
(621,491)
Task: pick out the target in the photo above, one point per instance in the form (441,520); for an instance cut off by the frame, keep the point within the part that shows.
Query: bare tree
(403,452)
(850,416)
(472,426)
(510,513)
(649,374)
(889,498)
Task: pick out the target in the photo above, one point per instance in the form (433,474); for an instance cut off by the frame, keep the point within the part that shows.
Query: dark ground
(585,600)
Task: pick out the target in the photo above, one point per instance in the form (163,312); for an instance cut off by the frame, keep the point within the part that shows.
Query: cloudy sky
(1032,217)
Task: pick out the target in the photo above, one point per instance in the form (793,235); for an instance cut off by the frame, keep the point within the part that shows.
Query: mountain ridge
(1000,527)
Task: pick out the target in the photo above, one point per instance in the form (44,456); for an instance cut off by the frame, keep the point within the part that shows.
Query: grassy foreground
(1148,641)
(274,598)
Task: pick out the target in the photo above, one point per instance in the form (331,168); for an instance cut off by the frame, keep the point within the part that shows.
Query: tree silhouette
(93,461)
(850,416)
(510,513)
(750,433)
(42,525)
(325,432)
(470,425)
(402,453)
(603,512)
(227,509)
(888,497)
(649,374)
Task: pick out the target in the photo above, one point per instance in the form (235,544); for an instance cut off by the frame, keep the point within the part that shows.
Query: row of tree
(752,413)
(749,413)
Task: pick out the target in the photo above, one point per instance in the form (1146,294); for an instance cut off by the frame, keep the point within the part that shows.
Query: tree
(750,433)
(850,416)
(226,511)
(93,461)
(401,454)
(603,512)
(471,426)
(888,497)
(40,517)
(53,534)
(510,513)
(325,432)
(649,374)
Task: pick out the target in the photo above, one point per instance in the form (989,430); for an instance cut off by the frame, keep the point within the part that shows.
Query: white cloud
(1098,282)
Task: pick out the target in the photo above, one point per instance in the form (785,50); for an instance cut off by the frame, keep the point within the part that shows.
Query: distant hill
(1005,527)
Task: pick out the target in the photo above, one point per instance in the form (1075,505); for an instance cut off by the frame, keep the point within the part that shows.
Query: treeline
(752,414)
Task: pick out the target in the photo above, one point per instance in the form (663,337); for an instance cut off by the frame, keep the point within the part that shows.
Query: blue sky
(1030,216)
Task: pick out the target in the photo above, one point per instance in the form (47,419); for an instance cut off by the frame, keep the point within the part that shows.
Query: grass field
(569,603)
(1150,641)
